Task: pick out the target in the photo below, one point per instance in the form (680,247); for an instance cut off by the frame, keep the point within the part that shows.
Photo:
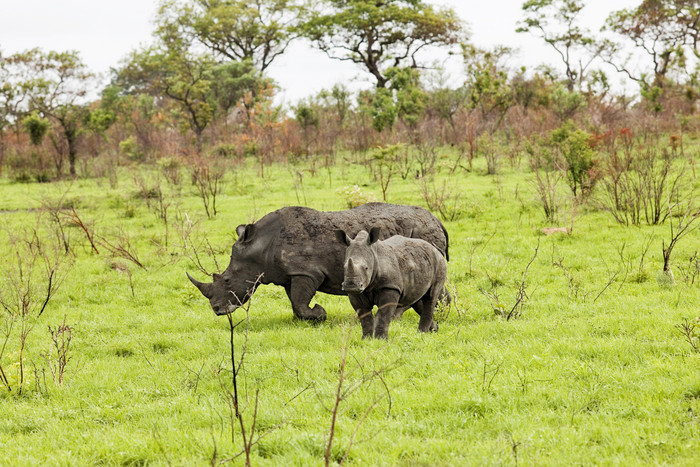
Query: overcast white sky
(105,31)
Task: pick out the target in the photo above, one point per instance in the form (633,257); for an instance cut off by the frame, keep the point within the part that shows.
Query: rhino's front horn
(203,287)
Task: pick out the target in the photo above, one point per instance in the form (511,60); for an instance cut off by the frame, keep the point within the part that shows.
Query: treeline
(199,92)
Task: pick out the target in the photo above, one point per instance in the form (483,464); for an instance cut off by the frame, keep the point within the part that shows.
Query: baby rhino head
(359,265)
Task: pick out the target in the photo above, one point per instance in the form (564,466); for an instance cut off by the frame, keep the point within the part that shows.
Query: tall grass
(593,370)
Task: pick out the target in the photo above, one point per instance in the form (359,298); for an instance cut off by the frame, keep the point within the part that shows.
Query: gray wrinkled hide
(295,247)
(397,272)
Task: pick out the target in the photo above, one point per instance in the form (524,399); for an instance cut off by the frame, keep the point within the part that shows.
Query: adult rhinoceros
(295,247)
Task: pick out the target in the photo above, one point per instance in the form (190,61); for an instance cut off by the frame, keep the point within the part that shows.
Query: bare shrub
(687,213)
(521,297)
(637,182)
(239,403)
(690,330)
(54,209)
(350,380)
(548,170)
(691,270)
(171,170)
(208,178)
(88,229)
(445,199)
(120,246)
(58,355)
(491,152)
(195,246)
(386,164)
(32,274)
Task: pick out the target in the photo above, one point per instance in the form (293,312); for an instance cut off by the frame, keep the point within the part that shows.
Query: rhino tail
(447,242)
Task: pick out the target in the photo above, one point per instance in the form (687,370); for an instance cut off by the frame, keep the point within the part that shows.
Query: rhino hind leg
(300,292)
(425,308)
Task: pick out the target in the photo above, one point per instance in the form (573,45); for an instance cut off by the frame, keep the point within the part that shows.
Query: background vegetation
(572,212)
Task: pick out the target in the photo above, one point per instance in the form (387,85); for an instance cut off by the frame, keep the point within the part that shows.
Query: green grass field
(594,371)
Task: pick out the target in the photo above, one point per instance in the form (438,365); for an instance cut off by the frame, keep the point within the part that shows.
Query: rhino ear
(245,232)
(374,234)
(341,236)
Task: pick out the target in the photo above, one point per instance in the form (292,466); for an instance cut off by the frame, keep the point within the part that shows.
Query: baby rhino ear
(245,232)
(374,234)
(342,237)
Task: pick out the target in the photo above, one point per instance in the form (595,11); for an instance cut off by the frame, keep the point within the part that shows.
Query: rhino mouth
(226,309)
(351,287)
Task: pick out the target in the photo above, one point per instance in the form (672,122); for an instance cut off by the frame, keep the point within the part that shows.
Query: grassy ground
(594,371)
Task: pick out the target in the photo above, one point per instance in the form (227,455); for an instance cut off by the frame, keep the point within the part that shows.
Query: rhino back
(301,240)
(412,266)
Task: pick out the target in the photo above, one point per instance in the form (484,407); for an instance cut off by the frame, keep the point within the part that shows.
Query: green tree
(238,30)
(575,148)
(338,101)
(198,88)
(489,89)
(57,86)
(446,102)
(306,114)
(555,22)
(657,28)
(404,98)
(36,127)
(381,34)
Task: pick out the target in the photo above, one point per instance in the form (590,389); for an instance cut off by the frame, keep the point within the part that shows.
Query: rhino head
(232,288)
(360,261)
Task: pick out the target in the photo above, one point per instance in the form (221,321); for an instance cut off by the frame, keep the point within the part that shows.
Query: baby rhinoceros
(396,272)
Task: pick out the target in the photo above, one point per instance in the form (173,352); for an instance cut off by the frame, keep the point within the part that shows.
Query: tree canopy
(555,21)
(381,34)
(255,30)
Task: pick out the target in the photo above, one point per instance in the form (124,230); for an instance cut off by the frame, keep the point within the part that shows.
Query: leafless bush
(58,355)
(548,172)
(171,170)
(351,380)
(687,213)
(521,296)
(626,261)
(576,289)
(195,246)
(491,152)
(444,200)
(74,219)
(237,402)
(31,276)
(691,332)
(386,164)
(54,209)
(490,368)
(637,183)
(426,156)
(691,271)
(120,246)
(208,178)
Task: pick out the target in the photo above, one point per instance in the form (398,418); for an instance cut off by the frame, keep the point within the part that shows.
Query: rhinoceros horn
(203,287)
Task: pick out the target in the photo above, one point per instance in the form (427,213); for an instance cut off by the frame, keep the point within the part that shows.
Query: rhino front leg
(387,301)
(363,308)
(300,292)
